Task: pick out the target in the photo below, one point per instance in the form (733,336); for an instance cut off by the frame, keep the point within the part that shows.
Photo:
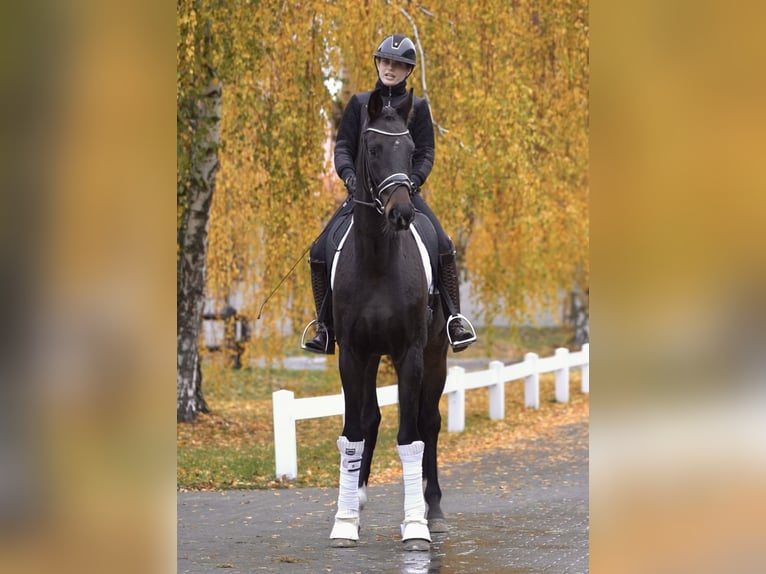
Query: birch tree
(252,119)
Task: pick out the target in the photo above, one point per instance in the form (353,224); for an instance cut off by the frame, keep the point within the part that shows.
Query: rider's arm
(422,130)
(347,139)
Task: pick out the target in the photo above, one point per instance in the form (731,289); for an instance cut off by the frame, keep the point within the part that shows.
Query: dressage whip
(282,281)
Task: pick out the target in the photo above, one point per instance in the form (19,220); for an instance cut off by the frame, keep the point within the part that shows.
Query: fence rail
(287,410)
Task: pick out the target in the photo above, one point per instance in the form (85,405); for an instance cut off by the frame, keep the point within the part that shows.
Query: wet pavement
(523,509)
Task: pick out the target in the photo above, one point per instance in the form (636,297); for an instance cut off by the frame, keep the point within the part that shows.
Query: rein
(392,180)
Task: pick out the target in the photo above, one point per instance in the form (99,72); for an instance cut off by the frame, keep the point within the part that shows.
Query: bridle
(393,180)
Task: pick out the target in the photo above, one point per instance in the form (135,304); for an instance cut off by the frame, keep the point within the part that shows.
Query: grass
(233,447)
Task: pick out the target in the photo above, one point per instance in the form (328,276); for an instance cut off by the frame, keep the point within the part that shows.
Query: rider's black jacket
(420,126)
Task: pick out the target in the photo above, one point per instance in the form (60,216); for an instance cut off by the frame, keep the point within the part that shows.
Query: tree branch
(441,129)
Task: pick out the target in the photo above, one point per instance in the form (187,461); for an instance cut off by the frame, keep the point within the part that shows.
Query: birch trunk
(193,251)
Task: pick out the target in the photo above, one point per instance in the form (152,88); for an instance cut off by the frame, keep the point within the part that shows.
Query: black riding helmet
(397,47)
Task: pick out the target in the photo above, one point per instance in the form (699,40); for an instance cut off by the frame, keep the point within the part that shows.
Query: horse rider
(395,60)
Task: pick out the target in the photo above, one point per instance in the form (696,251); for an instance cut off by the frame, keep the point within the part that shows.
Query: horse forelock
(391,117)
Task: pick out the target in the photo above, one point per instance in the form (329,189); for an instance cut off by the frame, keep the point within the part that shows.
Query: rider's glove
(415,184)
(350,183)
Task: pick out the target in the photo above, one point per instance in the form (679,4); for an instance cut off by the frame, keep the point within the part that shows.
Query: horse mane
(376,108)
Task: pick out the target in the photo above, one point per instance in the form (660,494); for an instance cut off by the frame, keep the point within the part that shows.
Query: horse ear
(375,105)
(405,107)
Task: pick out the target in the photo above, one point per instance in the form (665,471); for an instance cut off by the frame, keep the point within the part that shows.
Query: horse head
(387,148)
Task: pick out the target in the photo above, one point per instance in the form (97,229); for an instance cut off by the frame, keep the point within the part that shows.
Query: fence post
(496,392)
(562,376)
(532,383)
(585,370)
(285,447)
(456,402)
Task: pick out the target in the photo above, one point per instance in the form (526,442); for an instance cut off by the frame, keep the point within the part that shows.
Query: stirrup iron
(303,336)
(465,342)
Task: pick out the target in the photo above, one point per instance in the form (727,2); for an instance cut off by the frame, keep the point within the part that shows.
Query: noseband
(393,180)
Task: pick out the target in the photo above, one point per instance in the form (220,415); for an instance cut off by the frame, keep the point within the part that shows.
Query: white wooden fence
(287,409)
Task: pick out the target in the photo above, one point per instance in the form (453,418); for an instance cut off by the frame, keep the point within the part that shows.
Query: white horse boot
(415,525)
(345,531)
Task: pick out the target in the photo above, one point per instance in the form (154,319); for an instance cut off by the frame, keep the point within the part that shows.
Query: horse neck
(374,248)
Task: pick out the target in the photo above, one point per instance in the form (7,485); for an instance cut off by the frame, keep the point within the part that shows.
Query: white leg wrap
(415,524)
(347,517)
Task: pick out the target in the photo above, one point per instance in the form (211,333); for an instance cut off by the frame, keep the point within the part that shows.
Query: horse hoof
(417,545)
(342,543)
(438,525)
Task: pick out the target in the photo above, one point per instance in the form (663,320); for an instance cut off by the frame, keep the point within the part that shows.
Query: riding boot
(324,340)
(458,336)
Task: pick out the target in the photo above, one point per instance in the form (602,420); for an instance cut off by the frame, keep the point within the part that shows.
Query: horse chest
(380,301)
(380,311)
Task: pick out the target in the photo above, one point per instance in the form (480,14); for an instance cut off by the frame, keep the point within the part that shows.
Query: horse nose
(401,216)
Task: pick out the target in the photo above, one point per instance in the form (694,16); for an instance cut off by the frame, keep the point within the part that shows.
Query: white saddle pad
(426,260)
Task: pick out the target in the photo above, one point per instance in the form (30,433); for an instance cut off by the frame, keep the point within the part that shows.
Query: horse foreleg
(433,493)
(370,424)
(430,425)
(409,369)
(415,532)
(345,531)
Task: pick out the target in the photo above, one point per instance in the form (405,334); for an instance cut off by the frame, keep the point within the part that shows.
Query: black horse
(381,307)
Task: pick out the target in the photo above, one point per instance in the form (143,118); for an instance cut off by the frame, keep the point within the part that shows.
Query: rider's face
(392,72)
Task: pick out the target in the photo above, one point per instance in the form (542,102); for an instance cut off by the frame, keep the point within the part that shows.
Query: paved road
(523,509)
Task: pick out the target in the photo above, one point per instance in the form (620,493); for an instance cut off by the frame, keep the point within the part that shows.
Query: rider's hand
(415,185)
(350,184)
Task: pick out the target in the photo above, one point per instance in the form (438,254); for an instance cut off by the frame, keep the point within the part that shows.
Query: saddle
(424,233)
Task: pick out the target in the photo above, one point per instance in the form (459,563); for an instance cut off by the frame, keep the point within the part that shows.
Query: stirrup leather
(465,342)
(303,337)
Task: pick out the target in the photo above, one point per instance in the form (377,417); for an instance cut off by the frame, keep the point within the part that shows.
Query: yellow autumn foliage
(508,88)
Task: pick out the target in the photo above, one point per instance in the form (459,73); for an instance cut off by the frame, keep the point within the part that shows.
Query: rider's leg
(448,282)
(324,341)
(459,337)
